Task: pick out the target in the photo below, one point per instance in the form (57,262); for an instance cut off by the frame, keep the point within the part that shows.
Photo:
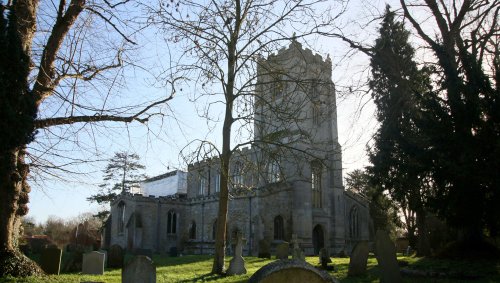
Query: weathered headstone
(264,249)
(93,263)
(50,260)
(173,252)
(359,259)
(297,253)
(237,264)
(139,269)
(324,259)
(290,271)
(386,258)
(105,252)
(115,256)
(145,252)
(282,250)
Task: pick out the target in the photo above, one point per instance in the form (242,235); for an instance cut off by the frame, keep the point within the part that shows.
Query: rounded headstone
(290,271)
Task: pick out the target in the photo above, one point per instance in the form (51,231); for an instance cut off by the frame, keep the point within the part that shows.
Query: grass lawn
(197,268)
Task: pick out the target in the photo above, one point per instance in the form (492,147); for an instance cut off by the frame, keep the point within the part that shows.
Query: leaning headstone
(145,252)
(359,259)
(139,269)
(50,260)
(264,249)
(115,256)
(386,258)
(290,271)
(237,264)
(296,251)
(324,259)
(93,263)
(282,250)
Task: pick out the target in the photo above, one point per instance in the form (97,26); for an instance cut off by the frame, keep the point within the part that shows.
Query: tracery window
(203,185)
(273,172)
(172,222)
(238,174)
(192,230)
(316,113)
(217,182)
(121,215)
(279,228)
(316,187)
(353,223)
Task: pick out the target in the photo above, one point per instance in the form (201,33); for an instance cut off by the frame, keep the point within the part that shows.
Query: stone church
(288,182)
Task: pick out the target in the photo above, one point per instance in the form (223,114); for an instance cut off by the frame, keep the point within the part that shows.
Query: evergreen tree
(123,173)
(462,117)
(383,210)
(398,154)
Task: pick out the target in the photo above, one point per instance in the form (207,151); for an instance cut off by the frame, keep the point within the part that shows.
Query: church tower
(296,127)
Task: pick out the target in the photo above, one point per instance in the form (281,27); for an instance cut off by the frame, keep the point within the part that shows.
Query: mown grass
(197,269)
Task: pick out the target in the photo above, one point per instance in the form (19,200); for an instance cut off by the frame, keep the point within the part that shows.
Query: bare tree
(222,43)
(60,64)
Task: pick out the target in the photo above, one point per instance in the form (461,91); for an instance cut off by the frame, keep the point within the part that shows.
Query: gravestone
(386,258)
(282,250)
(324,258)
(93,263)
(264,249)
(296,251)
(290,271)
(50,260)
(145,252)
(139,269)
(359,258)
(237,264)
(105,252)
(115,256)
(173,252)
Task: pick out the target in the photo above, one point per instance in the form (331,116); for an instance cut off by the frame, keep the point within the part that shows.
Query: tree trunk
(13,205)
(423,244)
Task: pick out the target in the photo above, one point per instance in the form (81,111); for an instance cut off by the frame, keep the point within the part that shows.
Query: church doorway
(318,239)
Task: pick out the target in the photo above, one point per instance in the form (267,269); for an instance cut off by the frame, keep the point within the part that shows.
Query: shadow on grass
(212,277)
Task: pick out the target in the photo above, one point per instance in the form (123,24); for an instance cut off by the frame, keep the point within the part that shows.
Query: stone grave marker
(139,269)
(297,253)
(359,259)
(237,264)
(50,260)
(290,271)
(264,249)
(282,250)
(173,252)
(105,252)
(386,257)
(115,256)
(324,259)
(93,263)
(145,252)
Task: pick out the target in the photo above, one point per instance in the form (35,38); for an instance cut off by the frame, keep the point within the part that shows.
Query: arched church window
(172,222)
(273,171)
(203,185)
(316,185)
(279,228)
(217,182)
(316,113)
(121,217)
(353,223)
(192,230)
(238,174)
